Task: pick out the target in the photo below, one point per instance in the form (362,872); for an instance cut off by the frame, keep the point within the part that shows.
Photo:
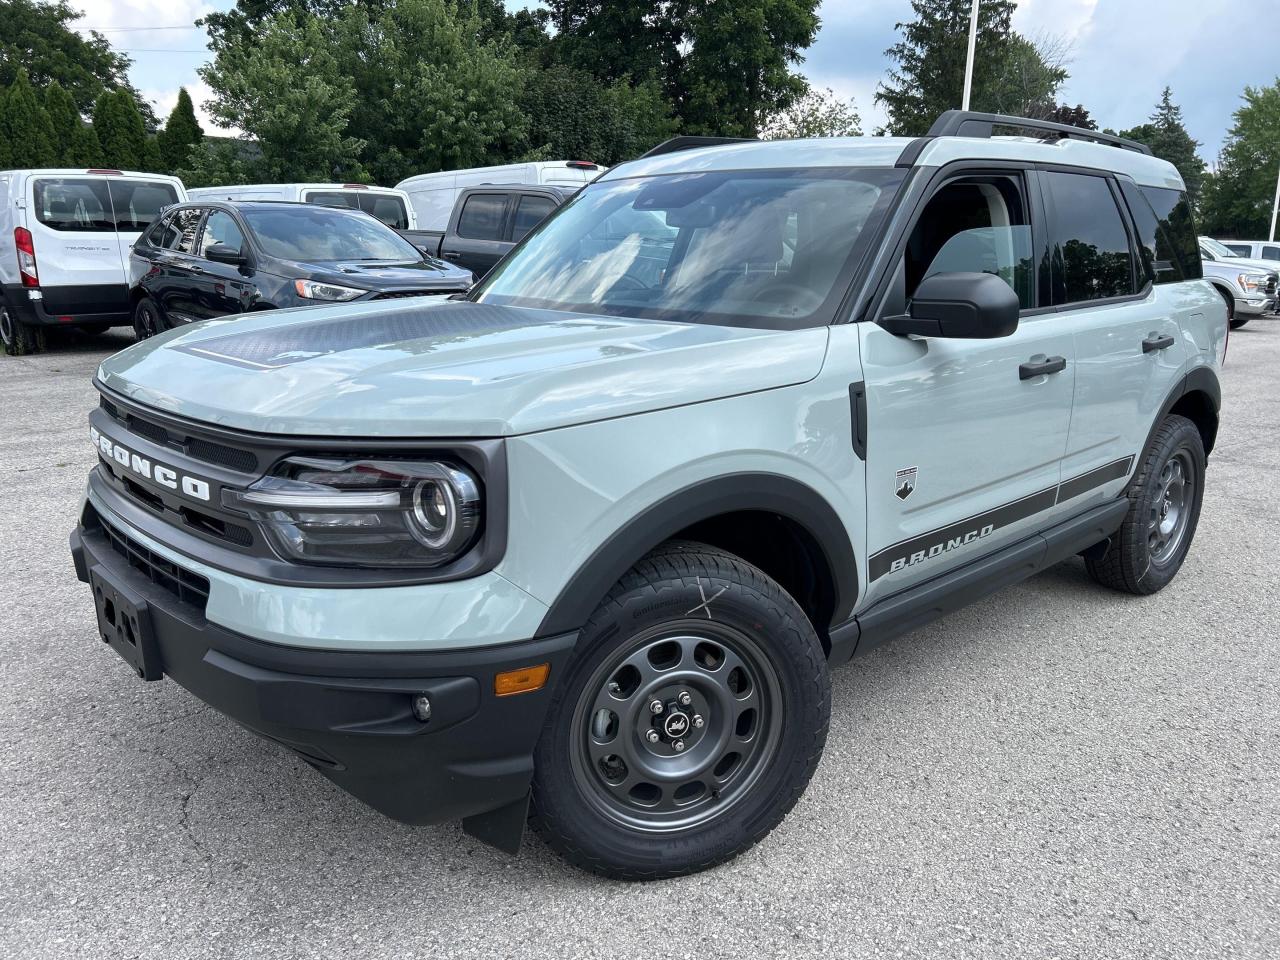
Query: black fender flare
(731,493)
(1200,380)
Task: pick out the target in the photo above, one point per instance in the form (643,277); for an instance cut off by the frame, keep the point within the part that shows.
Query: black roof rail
(676,144)
(964,123)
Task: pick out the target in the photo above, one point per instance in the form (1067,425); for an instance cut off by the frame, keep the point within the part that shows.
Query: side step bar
(921,604)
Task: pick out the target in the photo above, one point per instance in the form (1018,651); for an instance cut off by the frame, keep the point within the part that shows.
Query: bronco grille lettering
(189,486)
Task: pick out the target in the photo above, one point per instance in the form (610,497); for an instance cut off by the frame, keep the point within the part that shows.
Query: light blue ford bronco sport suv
(580,548)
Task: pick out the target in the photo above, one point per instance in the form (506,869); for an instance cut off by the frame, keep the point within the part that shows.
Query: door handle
(195,268)
(1156,342)
(1040,365)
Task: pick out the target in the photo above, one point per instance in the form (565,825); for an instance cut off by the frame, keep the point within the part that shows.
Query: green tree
(121,131)
(290,92)
(25,127)
(572,115)
(180,134)
(64,120)
(219,161)
(1167,136)
(1012,74)
(39,37)
(433,95)
(819,113)
(1237,199)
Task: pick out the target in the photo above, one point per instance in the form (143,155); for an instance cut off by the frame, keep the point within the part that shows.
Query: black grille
(397,294)
(1271,284)
(208,451)
(188,587)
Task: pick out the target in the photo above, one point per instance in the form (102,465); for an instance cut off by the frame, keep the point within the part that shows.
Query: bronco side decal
(935,543)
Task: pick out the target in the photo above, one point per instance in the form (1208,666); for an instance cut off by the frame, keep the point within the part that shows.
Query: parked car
(637,495)
(1249,287)
(64,248)
(487,222)
(389,205)
(1268,250)
(210,259)
(434,195)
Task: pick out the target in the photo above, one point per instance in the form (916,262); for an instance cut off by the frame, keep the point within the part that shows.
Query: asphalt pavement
(1056,771)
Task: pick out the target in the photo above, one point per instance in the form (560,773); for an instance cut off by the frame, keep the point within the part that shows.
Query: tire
(19,339)
(687,619)
(147,319)
(1149,548)
(95,329)
(1238,322)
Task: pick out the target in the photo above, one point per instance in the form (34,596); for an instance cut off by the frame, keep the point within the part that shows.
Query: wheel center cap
(676,724)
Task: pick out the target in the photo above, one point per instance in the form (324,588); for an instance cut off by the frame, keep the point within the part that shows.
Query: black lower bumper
(93,305)
(347,714)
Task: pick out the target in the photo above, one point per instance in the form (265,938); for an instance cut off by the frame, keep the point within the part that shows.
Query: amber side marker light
(524,680)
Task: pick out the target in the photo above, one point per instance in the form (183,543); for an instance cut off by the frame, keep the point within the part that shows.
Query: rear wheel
(19,339)
(1164,509)
(689,724)
(147,319)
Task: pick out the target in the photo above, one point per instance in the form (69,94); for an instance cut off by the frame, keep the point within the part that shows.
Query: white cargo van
(433,194)
(391,206)
(65,237)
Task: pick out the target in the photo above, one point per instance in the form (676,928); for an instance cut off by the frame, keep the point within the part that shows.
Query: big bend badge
(904,482)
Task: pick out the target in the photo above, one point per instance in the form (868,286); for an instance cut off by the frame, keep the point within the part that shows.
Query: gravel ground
(1057,771)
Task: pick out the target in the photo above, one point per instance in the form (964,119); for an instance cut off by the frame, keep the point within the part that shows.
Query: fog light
(422,707)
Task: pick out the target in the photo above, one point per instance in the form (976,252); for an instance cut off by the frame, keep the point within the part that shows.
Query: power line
(157,50)
(190,26)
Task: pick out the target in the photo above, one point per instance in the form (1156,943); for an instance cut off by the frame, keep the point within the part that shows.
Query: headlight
(1252,282)
(376,513)
(315,290)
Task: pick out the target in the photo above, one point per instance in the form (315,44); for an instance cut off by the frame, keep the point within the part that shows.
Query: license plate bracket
(124,623)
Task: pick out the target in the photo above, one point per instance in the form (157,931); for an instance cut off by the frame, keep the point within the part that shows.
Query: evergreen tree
(85,150)
(1167,136)
(1011,74)
(64,118)
(121,132)
(25,127)
(180,134)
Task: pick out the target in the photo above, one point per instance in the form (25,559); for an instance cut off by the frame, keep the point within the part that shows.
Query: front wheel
(147,320)
(1164,508)
(689,724)
(1238,322)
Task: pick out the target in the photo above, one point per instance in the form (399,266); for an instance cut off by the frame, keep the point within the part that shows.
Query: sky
(1121,56)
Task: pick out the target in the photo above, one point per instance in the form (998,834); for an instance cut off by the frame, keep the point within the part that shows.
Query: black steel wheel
(689,723)
(1164,508)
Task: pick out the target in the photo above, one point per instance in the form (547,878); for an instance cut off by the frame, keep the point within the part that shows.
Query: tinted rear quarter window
(1091,258)
(481,217)
(1176,237)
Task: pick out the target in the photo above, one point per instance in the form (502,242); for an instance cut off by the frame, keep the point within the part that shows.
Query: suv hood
(385,274)
(447,369)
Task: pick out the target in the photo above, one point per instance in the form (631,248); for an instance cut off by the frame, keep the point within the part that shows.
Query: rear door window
(1176,239)
(387,207)
(1270,252)
(530,212)
(1090,252)
(180,230)
(77,205)
(138,202)
(481,217)
(1240,249)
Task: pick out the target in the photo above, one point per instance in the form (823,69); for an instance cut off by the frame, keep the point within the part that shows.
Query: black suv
(214,258)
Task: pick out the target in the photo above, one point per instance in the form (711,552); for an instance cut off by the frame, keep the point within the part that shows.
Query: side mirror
(963,306)
(221,253)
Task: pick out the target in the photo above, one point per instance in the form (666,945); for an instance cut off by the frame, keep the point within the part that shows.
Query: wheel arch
(776,523)
(1226,293)
(1198,397)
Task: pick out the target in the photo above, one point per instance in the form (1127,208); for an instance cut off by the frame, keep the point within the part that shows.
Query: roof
(95,172)
(885,151)
(299,186)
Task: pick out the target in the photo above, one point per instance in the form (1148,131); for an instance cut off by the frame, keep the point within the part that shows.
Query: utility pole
(1275,206)
(968,66)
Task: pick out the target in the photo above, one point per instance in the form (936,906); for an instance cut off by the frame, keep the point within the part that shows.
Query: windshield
(302,232)
(1218,250)
(768,248)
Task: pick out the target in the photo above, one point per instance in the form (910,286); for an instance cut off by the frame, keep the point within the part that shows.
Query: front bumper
(1254,306)
(347,714)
